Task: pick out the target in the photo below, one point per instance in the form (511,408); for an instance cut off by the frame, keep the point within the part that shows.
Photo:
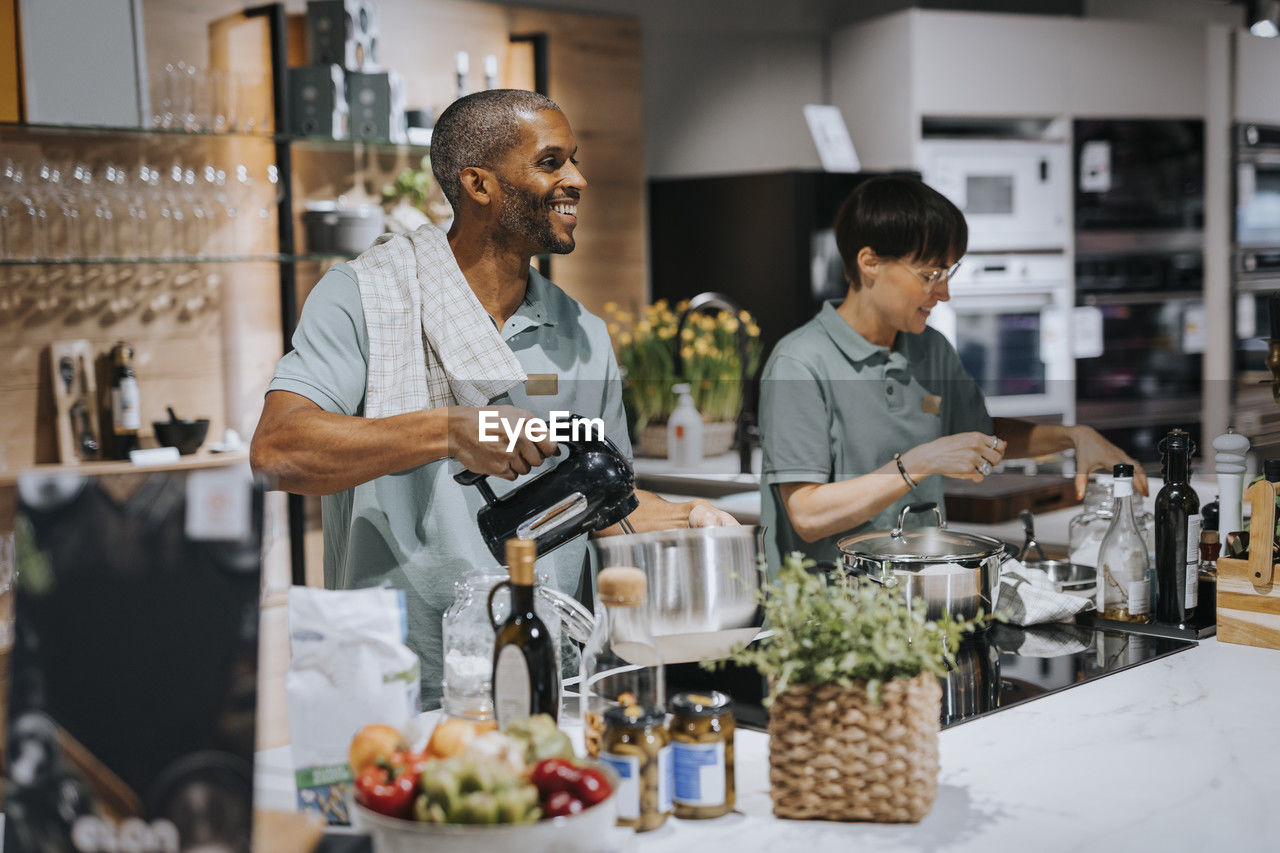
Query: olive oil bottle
(526,670)
(1177,534)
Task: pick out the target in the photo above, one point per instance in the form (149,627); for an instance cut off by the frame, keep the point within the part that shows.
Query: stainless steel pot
(701,579)
(956,573)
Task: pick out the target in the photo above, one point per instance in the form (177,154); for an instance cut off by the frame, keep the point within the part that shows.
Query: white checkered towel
(1028,597)
(431,343)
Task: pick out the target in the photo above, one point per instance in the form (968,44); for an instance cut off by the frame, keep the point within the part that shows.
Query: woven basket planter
(833,755)
(717,439)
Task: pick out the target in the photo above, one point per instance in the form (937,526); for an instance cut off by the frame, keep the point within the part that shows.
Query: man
(392,511)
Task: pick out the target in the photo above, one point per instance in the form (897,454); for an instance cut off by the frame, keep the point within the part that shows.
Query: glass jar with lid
(637,746)
(701,730)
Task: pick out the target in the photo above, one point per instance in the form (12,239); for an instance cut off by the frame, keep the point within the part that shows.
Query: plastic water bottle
(684,430)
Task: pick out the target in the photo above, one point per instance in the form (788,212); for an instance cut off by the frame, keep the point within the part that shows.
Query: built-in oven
(1015,193)
(1257,186)
(1009,319)
(1146,374)
(1254,413)
(1139,184)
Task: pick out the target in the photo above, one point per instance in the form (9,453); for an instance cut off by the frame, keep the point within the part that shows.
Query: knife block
(75,400)
(1249,590)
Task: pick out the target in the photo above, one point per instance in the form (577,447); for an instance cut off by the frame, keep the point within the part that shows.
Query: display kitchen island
(1177,754)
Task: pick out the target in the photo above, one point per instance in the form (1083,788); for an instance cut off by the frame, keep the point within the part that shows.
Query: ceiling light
(1264,18)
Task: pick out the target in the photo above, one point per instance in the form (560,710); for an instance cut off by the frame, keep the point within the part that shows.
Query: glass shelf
(321,143)
(306,143)
(105,130)
(184,259)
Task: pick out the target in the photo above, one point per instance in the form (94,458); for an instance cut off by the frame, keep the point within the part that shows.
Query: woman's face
(905,290)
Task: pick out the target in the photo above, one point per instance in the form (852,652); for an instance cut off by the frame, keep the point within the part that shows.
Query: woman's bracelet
(902,469)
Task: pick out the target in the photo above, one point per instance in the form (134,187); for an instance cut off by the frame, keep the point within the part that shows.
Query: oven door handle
(1141,298)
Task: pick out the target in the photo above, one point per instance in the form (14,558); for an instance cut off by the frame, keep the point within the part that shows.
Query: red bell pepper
(389,786)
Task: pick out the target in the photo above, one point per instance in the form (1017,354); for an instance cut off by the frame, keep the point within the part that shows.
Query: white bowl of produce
(592,829)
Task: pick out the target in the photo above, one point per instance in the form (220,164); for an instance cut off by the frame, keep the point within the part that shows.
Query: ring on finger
(995,442)
(985,468)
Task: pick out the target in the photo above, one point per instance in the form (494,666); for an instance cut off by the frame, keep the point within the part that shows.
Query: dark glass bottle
(126,417)
(1177,533)
(526,670)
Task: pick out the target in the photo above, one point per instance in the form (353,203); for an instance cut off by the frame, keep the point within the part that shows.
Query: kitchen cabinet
(1257,67)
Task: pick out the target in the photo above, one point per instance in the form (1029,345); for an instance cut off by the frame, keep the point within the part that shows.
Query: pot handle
(919,506)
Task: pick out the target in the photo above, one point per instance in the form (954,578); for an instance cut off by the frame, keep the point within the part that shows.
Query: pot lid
(922,543)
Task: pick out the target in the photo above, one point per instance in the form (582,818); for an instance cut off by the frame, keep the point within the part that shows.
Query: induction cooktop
(1001,668)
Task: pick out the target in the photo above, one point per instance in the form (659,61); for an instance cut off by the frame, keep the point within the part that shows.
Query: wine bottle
(1177,534)
(1124,580)
(126,417)
(525,661)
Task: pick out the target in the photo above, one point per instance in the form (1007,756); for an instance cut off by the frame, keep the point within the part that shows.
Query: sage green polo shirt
(834,406)
(416,530)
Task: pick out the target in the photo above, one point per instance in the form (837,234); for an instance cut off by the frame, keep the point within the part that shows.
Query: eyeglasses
(935,278)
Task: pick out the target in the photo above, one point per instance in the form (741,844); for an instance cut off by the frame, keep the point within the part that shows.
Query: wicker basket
(717,439)
(833,755)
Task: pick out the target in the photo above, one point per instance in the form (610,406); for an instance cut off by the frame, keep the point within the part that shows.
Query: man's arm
(310,451)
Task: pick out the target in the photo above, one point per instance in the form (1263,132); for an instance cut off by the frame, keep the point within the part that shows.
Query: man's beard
(529,215)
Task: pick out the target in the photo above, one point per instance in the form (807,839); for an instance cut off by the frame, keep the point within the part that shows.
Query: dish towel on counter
(1028,597)
(431,343)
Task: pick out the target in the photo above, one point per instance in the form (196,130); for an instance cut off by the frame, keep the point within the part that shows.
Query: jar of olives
(637,746)
(702,754)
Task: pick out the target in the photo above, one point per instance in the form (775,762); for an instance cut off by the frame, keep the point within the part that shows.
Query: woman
(865,408)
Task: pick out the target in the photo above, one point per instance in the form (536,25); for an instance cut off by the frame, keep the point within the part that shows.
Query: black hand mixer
(591,487)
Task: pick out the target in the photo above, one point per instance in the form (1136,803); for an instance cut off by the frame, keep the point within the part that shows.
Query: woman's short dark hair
(899,216)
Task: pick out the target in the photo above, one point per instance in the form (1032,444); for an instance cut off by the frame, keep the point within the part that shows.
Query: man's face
(541,185)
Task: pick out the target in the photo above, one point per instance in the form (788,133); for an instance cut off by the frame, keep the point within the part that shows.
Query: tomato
(551,775)
(562,803)
(592,787)
(378,790)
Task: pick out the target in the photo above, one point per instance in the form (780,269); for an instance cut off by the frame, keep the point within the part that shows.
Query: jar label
(699,770)
(126,412)
(666,780)
(1138,594)
(512,692)
(628,794)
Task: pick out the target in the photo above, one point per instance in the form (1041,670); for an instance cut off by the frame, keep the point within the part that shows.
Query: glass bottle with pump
(126,416)
(526,668)
(1177,534)
(684,430)
(1124,573)
(620,664)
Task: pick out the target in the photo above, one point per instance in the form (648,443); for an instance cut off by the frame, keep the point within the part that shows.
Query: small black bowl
(183,434)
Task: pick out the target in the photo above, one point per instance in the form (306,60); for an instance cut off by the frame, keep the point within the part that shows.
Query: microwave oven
(1015,193)
(1257,187)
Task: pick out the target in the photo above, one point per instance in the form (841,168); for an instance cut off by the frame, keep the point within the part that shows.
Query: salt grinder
(1229,461)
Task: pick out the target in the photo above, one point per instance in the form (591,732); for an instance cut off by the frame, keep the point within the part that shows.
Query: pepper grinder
(1229,462)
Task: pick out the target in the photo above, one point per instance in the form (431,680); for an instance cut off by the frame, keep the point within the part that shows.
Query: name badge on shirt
(931,404)
(542,384)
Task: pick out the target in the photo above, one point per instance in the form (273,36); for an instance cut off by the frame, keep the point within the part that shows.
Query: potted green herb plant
(854,697)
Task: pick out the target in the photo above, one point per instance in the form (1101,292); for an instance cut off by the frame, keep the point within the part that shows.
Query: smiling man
(365,414)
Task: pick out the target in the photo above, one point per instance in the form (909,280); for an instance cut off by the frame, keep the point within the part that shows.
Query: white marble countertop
(1179,754)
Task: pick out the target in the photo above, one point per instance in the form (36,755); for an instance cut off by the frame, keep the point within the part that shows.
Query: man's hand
(704,514)
(492,458)
(1094,452)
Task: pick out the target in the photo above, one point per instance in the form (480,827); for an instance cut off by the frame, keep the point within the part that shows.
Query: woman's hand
(963,456)
(1094,452)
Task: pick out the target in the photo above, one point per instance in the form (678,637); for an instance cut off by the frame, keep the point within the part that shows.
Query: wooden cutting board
(1000,497)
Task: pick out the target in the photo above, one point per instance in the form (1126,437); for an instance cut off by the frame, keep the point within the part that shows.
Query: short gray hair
(476,130)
